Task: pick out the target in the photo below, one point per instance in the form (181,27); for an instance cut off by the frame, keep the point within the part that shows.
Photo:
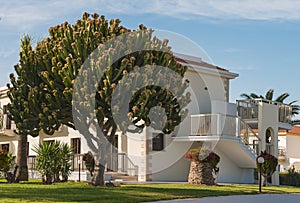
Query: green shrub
(53,161)
(291,178)
(7,161)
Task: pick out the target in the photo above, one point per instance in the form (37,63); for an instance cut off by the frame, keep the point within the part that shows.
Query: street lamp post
(79,166)
(260,161)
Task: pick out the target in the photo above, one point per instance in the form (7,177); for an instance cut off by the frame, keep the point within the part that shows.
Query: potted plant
(203,164)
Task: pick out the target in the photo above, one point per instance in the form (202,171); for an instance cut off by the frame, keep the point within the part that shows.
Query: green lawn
(34,191)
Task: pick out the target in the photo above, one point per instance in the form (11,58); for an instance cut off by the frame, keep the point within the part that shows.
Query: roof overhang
(196,64)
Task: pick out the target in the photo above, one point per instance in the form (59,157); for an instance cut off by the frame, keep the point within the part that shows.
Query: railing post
(238,127)
(219,125)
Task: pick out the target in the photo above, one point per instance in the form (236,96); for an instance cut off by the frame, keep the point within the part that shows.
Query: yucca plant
(66,155)
(53,161)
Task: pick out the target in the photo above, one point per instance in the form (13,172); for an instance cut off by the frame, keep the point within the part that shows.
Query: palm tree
(269,96)
(281,98)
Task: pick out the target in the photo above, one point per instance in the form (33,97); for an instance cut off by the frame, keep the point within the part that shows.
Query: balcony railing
(119,162)
(285,113)
(214,125)
(282,155)
(248,109)
(281,152)
(224,125)
(249,137)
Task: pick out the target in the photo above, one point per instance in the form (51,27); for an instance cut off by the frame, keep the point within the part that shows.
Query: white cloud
(219,9)
(24,15)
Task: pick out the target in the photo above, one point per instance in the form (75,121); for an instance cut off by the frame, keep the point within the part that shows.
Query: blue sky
(259,40)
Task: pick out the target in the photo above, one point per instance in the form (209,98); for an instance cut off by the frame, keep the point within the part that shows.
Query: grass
(34,191)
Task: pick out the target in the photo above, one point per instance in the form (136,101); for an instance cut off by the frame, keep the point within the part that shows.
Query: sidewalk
(264,198)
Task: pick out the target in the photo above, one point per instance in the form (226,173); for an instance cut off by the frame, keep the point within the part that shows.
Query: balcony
(282,155)
(214,125)
(285,114)
(223,127)
(248,110)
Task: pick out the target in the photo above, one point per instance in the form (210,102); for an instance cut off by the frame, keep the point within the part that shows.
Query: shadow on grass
(81,192)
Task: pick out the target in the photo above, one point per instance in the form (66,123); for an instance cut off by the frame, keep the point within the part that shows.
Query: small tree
(23,108)
(269,165)
(53,161)
(203,164)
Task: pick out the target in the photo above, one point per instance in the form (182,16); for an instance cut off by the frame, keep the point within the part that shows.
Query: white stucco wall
(231,173)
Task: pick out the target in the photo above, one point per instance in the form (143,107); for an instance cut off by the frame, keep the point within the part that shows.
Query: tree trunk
(201,173)
(22,171)
(98,176)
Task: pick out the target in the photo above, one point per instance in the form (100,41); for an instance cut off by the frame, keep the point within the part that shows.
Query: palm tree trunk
(22,171)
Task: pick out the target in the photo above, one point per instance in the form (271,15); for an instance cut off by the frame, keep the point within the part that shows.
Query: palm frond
(246,96)
(295,122)
(293,102)
(269,95)
(255,96)
(282,97)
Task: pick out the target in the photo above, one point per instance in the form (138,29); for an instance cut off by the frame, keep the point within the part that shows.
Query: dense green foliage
(53,161)
(291,178)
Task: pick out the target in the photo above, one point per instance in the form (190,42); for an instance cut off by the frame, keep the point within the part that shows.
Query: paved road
(264,198)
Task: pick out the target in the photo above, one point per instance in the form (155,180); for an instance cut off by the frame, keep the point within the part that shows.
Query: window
(8,121)
(158,142)
(75,145)
(5,147)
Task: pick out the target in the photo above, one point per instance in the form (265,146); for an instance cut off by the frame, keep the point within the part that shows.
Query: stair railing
(249,137)
(125,165)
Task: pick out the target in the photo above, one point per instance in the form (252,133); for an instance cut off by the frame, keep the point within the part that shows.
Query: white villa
(212,120)
(288,148)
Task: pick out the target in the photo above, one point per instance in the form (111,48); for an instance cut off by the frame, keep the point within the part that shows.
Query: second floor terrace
(250,110)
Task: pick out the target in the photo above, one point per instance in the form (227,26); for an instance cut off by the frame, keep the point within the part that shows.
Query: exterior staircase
(121,177)
(122,169)
(233,135)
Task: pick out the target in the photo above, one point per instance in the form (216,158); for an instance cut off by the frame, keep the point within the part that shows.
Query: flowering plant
(204,154)
(269,165)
